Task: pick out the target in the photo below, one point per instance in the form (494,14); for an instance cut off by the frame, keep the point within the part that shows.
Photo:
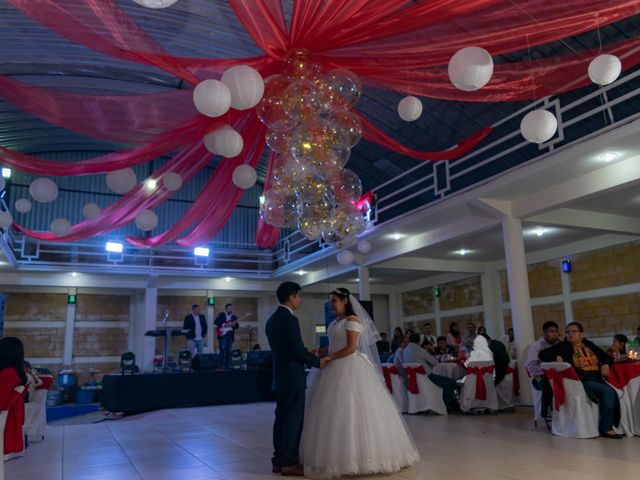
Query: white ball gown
(351,424)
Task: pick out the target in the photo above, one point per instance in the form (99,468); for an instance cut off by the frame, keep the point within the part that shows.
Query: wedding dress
(351,425)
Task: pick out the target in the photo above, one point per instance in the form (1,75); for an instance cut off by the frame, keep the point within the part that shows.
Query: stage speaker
(205,361)
(259,358)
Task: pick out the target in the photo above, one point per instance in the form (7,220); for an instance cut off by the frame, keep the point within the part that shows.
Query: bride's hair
(343,293)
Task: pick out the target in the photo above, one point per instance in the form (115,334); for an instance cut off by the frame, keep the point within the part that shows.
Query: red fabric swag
(412,380)
(480,372)
(387,372)
(516,380)
(557,379)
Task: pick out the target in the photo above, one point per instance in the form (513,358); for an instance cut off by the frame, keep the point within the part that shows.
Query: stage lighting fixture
(114,247)
(6,173)
(201,252)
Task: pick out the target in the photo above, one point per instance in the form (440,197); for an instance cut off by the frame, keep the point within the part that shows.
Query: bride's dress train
(351,424)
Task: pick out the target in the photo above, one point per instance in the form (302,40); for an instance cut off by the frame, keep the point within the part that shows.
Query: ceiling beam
(573,217)
(432,265)
(622,174)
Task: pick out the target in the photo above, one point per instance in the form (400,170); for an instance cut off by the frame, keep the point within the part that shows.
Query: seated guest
(510,344)
(413,353)
(33,381)
(467,340)
(407,333)
(397,338)
(480,351)
(501,358)
(483,331)
(550,336)
(383,345)
(428,338)
(12,375)
(443,349)
(397,357)
(591,364)
(453,337)
(619,348)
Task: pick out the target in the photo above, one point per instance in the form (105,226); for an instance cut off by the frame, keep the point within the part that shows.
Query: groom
(289,380)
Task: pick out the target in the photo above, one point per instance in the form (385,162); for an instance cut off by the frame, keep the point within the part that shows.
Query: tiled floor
(234,442)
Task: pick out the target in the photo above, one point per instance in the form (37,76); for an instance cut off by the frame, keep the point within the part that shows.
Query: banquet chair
(574,415)
(478,391)
(398,389)
(423,395)
(4,415)
(504,391)
(36,411)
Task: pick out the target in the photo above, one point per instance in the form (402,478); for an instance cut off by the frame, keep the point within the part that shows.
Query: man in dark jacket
(196,324)
(591,363)
(289,379)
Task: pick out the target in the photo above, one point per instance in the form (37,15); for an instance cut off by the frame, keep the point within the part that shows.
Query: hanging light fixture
(155,3)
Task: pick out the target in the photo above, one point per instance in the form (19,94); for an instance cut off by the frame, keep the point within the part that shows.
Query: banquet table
(449,369)
(625,378)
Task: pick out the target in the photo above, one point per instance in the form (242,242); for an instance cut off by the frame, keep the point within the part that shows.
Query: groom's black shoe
(293,471)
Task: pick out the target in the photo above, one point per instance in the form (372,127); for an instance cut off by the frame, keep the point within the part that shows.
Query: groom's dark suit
(289,384)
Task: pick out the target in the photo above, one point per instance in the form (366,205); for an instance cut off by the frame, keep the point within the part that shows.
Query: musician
(196,323)
(226,323)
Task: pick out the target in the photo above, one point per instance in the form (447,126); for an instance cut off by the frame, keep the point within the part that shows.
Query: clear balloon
(314,218)
(331,164)
(278,210)
(279,140)
(289,174)
(302,101)
(313,190)
(311,141)
(348,128)
(270,110)
(340,88)
(346,187)
(347,222)
(299,65)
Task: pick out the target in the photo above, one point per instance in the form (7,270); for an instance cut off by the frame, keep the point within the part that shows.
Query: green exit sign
(72,299)
(211,301)
(436,292)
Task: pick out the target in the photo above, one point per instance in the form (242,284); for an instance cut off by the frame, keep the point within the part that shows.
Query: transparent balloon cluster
(311,127)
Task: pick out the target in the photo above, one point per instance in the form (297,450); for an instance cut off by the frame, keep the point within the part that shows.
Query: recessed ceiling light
(228,279)
(462,251)
(396,236)
(74,274)
(608,156)
(301,272)
(151,184)
(6,173)
(539,232)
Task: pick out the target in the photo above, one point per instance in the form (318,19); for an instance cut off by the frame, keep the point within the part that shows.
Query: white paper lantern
(5,219)
(60,226)
(470,68)
(43,190)
(228,142)
(2,184)
(90,211)
(345,257)
(246,86)
(212,98)
(209,141)
(364,246)
(410,108)
(146,220)
(538,126)
(155,3)
(172,181)
(605,69)
(122,181)
(23,205)
(244,176)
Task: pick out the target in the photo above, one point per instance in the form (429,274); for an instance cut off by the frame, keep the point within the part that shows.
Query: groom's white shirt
(288,308)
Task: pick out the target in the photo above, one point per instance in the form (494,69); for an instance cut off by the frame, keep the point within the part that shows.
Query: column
(364,289)
(69,330)
(489,282)
(211,312)
(150,312)
(395,312)
(566,298)
(437,320)
(132,320)
(519,294)
(266,306)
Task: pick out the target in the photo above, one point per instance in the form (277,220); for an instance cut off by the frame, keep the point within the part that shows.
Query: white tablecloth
(451,370)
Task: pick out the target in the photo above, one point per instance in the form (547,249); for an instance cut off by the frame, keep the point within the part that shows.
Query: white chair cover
(399,391)
(468,400)
(504,390)
(629,405)
(578,416)
(429,396)
(36,416)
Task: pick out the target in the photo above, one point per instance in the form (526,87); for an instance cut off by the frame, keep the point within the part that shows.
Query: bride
(351,424)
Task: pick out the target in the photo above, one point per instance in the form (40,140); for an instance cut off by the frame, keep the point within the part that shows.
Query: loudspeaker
(205,361)
(259,358)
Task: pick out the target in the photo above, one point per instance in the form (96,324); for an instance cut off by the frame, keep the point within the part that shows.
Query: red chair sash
(387,372)
(557,379)
(412,380)
(479,372)
(47,381)
(516,380)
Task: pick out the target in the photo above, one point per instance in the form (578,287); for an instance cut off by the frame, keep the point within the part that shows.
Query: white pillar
(132,323)
(149,322)
(489,282)
(436,312)
(566,298)
(364,289)
(395,313)
(69,329)
(210,318)
(518,294)
(266,306)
